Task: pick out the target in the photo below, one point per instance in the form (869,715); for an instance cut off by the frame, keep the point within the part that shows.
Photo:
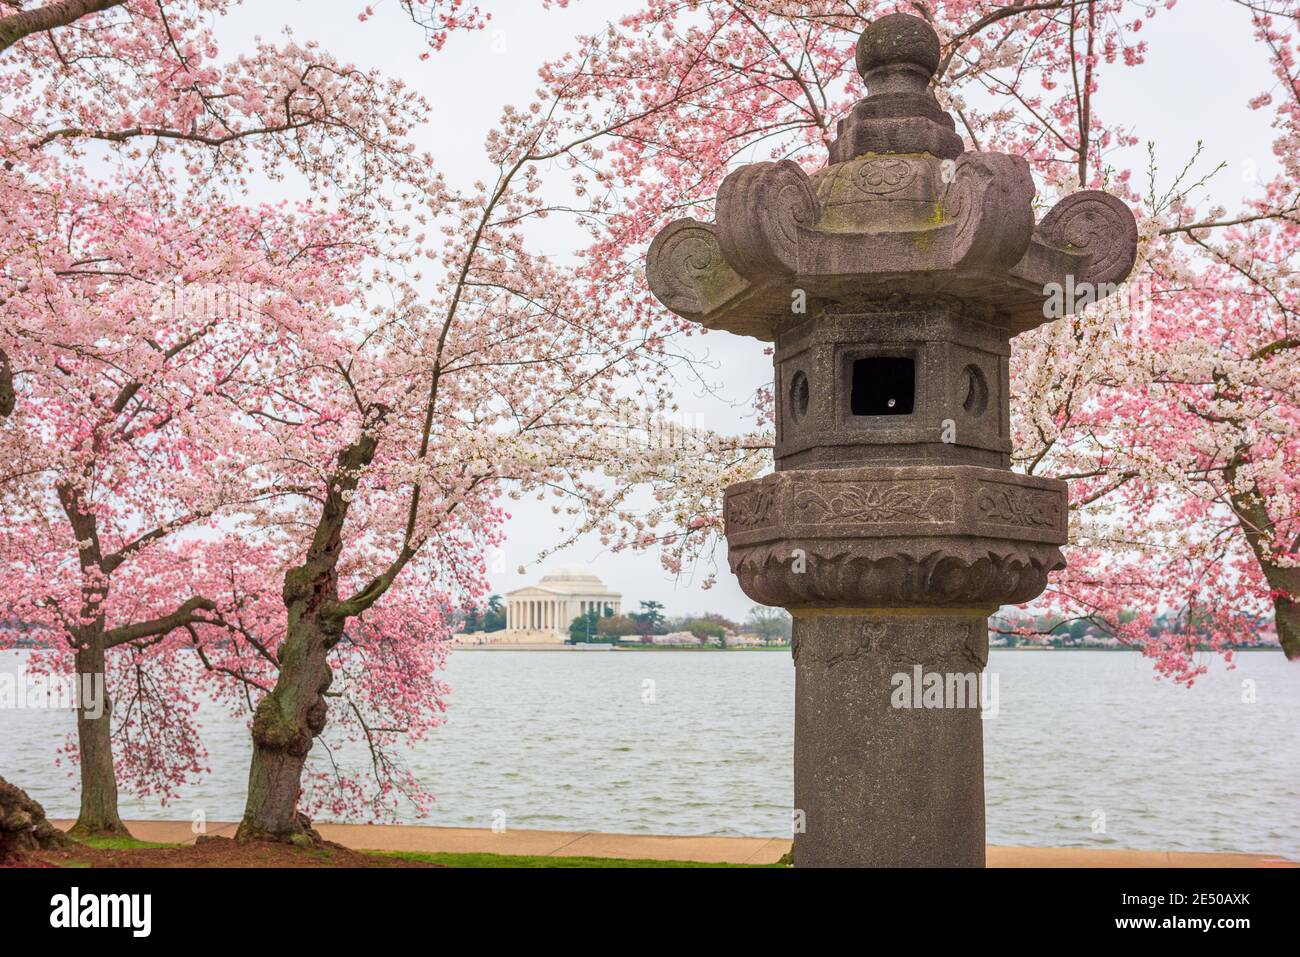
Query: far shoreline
(600,646)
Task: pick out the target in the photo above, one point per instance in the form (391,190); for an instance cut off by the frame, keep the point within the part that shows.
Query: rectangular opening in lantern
(883,385)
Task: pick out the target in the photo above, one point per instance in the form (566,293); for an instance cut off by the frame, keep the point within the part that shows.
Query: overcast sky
(1202,69)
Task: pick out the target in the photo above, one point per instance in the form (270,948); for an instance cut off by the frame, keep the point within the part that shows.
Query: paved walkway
(712,850)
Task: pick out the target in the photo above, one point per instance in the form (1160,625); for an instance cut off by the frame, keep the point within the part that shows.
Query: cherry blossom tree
(123,134)
(123,443)
(1174,412)
(502,373)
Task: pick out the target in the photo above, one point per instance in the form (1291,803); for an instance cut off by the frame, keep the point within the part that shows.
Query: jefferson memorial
(542,613)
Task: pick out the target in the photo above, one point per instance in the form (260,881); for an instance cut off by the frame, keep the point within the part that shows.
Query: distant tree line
(490,617)
(770,624)
(1047,630)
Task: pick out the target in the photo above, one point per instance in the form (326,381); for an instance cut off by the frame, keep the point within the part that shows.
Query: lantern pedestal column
(888,748)
(891,574)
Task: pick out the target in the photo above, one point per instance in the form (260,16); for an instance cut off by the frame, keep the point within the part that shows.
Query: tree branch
(16,26)
(182,616)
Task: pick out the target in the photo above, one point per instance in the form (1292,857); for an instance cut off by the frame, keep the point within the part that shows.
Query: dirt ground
(213,852)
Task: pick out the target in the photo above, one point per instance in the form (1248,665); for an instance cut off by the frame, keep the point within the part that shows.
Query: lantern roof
(901,210)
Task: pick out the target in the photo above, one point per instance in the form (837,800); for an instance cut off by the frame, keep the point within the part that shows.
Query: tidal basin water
(1086,749)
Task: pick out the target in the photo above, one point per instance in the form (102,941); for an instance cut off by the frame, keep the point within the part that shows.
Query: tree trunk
(1257,525)
(7,397)
(284,726)
(1287,614)
(1285,584)
(293,714)
(94,730)
(94,741)
(23,826)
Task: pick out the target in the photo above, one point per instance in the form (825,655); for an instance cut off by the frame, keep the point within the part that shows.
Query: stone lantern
(891,282)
